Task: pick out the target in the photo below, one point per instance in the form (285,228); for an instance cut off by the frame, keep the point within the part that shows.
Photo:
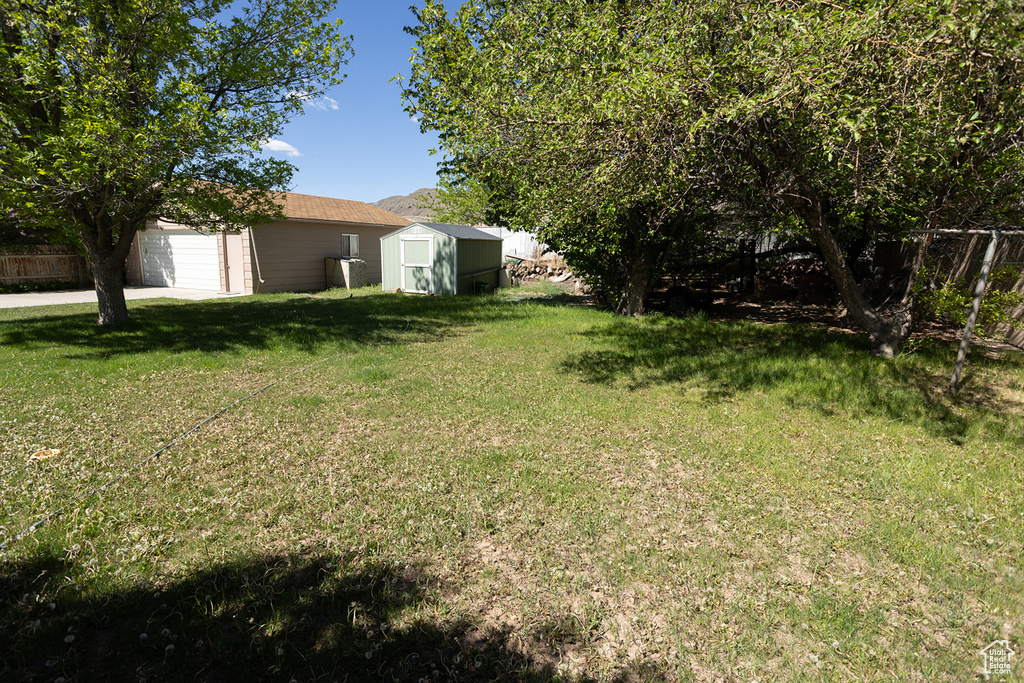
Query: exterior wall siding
(221,260)
(291,253)
(477,255)
(442,260)
(133,264)
(249,277)
(287,255)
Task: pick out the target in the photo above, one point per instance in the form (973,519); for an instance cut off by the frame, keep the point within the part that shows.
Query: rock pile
(527,270)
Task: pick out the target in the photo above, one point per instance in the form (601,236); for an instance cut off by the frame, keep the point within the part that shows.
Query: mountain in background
(411,205)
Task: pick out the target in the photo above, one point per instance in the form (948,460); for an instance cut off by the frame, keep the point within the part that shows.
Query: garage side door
(180,259)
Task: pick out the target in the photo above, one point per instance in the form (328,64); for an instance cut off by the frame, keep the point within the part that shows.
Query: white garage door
(180,259)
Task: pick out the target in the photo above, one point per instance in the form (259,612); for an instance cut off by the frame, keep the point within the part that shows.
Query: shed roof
(460,232)
(311,207)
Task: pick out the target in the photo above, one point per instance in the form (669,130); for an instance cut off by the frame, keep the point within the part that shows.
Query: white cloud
(325,104)
(273,145)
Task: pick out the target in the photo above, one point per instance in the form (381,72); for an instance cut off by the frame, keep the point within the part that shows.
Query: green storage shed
(437,258)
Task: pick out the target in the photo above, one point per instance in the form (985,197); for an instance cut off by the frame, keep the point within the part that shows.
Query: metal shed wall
(390,262)
(478,261)
(444,264)
(456,264)
(396,274)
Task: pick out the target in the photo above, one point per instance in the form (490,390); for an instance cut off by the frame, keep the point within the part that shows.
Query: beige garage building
(284,256)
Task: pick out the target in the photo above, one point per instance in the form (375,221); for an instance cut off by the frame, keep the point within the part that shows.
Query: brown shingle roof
(311,207)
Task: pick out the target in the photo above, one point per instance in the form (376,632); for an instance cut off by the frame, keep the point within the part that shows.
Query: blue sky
(360,144)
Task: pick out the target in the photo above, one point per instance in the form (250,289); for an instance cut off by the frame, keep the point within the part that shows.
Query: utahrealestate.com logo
(996,658)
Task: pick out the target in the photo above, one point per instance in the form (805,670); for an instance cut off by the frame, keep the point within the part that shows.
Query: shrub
(949,301)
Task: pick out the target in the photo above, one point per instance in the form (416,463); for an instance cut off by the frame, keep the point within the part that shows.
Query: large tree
(857,118)
(861,115)
(116,112)
(551,107)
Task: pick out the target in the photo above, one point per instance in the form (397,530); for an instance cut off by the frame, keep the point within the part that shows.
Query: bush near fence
(959,259)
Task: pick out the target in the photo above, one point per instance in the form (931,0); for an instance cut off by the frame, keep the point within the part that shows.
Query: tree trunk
(886,336)
(638,283)
(107,260)
(634,295)
(642,259)
(108,274)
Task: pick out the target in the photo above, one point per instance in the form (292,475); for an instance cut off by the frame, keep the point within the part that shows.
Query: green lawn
(495,488)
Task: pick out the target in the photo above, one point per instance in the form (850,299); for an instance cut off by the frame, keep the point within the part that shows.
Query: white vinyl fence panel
(519,243)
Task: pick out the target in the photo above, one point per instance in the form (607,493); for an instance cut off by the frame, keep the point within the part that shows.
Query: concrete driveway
(85,296)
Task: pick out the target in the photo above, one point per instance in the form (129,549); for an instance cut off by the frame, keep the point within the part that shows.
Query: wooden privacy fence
(47,264)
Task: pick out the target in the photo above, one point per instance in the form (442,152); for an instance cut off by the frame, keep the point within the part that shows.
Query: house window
(349,246)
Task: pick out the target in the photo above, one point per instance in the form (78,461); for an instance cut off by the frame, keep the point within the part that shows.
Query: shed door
(179,259)
(417,257)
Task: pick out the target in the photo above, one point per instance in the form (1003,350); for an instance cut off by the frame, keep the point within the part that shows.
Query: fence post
(979,292)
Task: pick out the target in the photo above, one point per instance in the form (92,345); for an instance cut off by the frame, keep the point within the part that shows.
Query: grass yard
(499,488)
